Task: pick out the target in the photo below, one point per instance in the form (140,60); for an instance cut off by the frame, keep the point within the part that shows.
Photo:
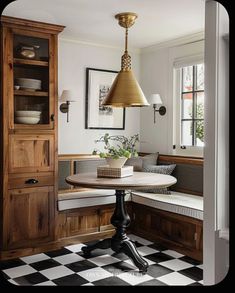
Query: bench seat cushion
(177,202)
(88,198)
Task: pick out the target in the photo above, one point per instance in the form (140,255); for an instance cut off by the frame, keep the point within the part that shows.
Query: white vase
(116,163)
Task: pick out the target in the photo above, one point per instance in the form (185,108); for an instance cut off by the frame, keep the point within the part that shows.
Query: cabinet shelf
(37,127)
(30,93)
(19,61)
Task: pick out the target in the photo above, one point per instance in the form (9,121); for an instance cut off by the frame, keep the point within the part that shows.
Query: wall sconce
(155,100)
(66,99)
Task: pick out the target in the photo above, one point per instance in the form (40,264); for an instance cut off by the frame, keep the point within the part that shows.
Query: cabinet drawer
(31,180)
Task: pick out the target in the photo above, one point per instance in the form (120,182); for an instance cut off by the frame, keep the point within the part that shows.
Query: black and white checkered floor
(68,266)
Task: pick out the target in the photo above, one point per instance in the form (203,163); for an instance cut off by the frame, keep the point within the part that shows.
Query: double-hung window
(192,105)
(189,101)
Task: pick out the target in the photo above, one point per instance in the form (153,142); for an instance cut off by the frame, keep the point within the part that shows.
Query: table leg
(103,244)
(120,242)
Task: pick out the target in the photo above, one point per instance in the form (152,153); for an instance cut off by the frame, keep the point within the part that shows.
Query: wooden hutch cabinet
(28,132)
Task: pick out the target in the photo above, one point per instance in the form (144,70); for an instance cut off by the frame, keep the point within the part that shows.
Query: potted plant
(117,154)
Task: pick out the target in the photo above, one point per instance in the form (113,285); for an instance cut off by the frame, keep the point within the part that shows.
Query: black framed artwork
(98,83)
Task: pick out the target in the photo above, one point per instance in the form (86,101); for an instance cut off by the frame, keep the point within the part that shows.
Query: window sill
(196,152)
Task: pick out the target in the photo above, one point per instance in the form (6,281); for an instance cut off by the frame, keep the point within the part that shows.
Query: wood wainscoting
(83,221)
(88,220)
(177,232)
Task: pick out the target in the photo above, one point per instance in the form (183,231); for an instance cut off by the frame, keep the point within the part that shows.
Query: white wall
(73,59)
(154,77)
(157,77)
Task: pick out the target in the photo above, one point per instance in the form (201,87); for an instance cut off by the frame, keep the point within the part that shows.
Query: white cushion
(87,198)
(177,202)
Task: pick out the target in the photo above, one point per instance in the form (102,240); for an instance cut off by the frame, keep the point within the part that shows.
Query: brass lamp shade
(125,92)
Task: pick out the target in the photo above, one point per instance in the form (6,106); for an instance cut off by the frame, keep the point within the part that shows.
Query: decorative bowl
(32,114)
(27,120)
(27,51)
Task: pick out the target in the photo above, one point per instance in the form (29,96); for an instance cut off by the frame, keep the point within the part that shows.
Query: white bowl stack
(29,84)
(27,117)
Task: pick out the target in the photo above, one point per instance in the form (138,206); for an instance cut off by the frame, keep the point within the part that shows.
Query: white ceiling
(93,20)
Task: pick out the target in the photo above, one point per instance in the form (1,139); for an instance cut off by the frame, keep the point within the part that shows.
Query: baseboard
(10,254)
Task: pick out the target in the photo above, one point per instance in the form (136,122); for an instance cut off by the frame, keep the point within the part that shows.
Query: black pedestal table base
(120,242)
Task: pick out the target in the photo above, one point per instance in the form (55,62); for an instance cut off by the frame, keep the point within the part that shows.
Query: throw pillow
(160,169)
(136,162)
(150,159)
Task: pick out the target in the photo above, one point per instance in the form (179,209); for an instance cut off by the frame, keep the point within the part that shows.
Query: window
(192,105)
(188,105)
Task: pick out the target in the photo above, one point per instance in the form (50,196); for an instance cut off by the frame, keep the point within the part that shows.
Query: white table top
(139,180)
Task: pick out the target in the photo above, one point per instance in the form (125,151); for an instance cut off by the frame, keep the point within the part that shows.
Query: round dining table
(120,218)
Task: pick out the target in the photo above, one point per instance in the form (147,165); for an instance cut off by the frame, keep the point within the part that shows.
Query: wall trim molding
(196,37)
(94,44)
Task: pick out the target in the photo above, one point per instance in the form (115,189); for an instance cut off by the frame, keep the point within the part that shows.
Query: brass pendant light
(125,90)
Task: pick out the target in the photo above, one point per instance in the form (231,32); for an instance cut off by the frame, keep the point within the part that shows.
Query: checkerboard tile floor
(69,267)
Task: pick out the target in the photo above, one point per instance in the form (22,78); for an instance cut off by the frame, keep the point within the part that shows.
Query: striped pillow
(160,169)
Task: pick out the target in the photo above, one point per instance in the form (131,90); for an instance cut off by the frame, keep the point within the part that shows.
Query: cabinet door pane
(32,78)
(30,213)
(31,153)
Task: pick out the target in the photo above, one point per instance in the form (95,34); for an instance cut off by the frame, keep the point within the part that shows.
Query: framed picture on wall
(98,83)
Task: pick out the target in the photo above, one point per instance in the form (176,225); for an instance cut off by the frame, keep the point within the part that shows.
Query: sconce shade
(66,96)
(125,90)
(155,99)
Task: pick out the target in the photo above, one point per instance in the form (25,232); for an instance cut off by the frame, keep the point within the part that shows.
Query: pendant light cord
(126,58)
(126,41)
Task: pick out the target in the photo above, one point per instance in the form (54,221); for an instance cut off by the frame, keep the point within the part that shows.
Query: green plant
(123,146)
(200,123)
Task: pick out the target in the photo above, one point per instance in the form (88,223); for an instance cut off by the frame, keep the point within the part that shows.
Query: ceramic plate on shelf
(29,83)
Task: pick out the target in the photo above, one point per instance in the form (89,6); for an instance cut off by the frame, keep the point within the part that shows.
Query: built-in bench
(177,202)
(175,220)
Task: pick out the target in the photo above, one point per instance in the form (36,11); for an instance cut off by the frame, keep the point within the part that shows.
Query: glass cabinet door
(33,86)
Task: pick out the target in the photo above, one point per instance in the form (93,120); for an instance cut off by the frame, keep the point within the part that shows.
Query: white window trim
(188,61)
(193,151)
